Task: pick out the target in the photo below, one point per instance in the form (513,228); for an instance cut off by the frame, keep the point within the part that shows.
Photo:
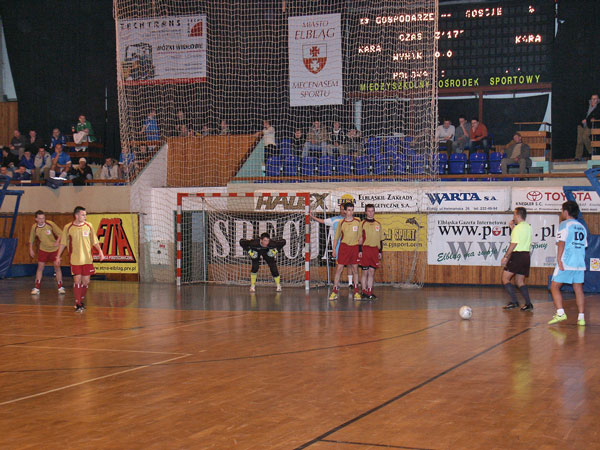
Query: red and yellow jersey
(371,233)
(47,234)
(348,231)
(79,239)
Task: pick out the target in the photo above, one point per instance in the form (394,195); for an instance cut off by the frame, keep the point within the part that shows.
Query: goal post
(210,225)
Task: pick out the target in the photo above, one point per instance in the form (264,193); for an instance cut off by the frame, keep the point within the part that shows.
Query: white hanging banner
(315,52)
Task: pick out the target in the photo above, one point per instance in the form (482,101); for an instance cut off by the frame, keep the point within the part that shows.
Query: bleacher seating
(343,165)
(477,161)
(290,166)
(495,159)
(457,163)
(273,166)
(309,165)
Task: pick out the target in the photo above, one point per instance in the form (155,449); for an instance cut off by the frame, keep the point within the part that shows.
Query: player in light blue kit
(332,223)
(570,267)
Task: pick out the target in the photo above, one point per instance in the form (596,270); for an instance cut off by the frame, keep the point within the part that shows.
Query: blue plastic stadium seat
(309,164)
(495,158)
(417,164)
(361,165)
(285,142)
(273,166)
(343,165)
(457,163)
(394,140)
(441,161)
(380,165)
(375,141)
(326,165)
(290,166)
(372,150)
(477,162)
(286,152)
(399,164)
(390,149)
(406,142)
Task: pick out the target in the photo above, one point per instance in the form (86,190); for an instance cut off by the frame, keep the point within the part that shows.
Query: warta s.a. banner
(315,51)
(118,237)
(162,50)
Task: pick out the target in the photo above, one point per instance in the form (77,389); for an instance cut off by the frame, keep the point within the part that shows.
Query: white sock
(560,312)
(581,316)
(349,279)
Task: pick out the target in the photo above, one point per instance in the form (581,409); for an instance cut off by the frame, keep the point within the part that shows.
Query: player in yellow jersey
(48,233)
(79,236)
(348,232)
(370,246)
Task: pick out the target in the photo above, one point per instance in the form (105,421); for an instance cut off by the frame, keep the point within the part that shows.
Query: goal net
(210,228)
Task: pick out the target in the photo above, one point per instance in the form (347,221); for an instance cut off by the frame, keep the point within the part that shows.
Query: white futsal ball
(465,312)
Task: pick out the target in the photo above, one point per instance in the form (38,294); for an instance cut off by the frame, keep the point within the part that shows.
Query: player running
(48,233)
(79,236)
(570,267)
(370,246)
(348,233)
(267,249)
(332,223)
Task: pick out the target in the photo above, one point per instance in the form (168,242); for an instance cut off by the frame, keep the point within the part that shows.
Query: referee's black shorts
(518,263)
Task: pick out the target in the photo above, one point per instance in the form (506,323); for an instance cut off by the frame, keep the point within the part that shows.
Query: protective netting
(205,76)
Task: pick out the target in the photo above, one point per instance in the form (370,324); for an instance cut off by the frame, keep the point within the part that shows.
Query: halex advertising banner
(315,53)
(162,50)
(383,200)
(466,199)
(319,202)
(482,239)
(551,199)
(403,232)
(118,237)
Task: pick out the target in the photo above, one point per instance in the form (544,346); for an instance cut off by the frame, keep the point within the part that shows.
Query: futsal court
(153,366)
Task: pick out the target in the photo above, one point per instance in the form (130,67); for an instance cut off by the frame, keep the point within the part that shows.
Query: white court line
(95,349)
(57,337)
(39,394)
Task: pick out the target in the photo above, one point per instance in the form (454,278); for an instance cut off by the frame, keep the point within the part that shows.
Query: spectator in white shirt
(444,135)
(268,134)
(109,171)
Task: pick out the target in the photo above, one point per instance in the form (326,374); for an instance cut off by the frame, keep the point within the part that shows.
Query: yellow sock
(253,277)
(277,280)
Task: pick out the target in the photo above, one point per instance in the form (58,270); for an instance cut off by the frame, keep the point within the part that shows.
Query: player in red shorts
(48,233)
(79,236)
(370,246)
(348,232)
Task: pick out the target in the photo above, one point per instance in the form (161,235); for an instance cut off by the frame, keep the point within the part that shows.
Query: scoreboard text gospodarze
(505,43)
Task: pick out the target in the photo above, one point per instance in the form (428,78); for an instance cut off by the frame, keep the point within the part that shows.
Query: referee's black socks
(525,293)
(510,288)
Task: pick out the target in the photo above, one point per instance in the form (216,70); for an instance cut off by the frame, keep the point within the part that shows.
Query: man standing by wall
(584,130)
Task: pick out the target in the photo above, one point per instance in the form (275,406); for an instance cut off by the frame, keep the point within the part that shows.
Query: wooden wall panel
(9,121)
(206,161)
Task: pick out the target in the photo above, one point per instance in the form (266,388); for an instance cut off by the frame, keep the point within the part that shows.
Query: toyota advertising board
(551,199)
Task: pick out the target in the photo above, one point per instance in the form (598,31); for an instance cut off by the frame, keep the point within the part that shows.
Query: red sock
(77,293)
(38,283)
(59,284)
(83,290)
(356,288)
(335,289)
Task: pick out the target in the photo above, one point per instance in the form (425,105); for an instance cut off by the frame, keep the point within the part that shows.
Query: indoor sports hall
(332,224)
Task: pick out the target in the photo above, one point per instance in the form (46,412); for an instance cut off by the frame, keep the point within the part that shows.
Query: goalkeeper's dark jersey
(254,244)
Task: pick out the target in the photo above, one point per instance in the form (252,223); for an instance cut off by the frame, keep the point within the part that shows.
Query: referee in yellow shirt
(79,236)
(516,261)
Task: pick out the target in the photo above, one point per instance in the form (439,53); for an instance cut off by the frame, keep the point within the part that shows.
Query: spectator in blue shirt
(57,138)
(59,160)
(27,161)
(151,127)
(126,163)
(21,174)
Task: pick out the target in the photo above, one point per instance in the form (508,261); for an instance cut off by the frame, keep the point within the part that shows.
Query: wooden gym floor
(150,367)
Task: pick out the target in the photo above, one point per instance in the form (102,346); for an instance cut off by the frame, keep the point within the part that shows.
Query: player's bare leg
(336,281)
(580,300)
(558,303)
(77,290)
(354,269)
(59,279)
(370,281)
(39,273)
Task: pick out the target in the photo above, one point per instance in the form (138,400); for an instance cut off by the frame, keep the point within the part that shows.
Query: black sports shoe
(528,307)
(372,297)
(511,305)
(80,307)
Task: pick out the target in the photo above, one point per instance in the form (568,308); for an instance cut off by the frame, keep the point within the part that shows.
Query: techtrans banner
(162,50)
(551,199)
(118,237)
(466,199)
(482,239)
(403,232)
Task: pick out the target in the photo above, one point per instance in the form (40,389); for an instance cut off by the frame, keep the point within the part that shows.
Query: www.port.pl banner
(162,50)
(482,239)
(118,237)
(315,52)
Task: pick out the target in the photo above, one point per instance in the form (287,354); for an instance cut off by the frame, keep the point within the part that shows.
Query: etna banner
(315,52)
(551,199)
(118,237)
(403,232)
(482,239)
(162,50)
(383,200)
(466,199)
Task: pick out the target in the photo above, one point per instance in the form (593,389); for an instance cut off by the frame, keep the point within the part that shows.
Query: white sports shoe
(252,288)
(35,291)
(61,290)
(278,288)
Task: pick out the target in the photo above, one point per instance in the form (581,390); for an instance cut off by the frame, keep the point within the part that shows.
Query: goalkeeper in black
(266,248)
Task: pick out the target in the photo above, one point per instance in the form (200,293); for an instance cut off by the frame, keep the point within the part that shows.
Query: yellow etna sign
(118,237)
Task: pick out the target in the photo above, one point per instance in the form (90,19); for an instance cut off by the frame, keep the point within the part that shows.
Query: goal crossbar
(179,220)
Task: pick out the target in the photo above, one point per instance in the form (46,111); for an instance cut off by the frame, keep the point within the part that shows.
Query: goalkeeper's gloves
(253,254)
(272,252)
